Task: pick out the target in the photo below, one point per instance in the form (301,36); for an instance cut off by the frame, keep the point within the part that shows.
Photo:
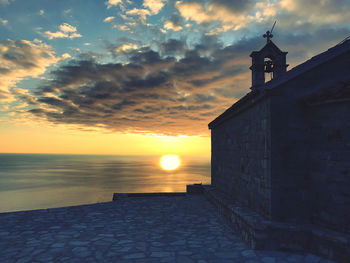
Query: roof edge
(242,104)
(309,64)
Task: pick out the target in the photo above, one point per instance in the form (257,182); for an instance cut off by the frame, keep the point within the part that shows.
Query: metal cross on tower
(268,34)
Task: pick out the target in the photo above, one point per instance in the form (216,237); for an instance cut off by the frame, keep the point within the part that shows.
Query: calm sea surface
(35,181)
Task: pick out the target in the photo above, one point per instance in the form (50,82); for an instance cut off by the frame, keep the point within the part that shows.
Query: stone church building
(281,154)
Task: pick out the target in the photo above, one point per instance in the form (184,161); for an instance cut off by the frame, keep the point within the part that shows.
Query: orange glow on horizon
(22,138)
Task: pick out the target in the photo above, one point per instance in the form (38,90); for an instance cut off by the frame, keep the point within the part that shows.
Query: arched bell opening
(268,68)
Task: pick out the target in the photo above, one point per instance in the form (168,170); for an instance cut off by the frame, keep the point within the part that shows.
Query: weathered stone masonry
(329,168)
(241,156)
(304,136)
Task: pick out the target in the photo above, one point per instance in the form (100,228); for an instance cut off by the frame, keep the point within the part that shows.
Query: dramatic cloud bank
(20,59)
(152,93)
(155,66)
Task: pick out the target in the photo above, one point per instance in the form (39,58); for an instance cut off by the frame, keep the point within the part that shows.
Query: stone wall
(329,167)
(289,176)
(241,158)
(310,150)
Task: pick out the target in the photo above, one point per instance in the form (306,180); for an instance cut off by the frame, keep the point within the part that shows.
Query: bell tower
(270,61)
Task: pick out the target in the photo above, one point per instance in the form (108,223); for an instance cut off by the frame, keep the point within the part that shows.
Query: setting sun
(170,162)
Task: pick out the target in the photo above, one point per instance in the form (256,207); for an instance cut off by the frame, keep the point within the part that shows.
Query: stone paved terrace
(153,229)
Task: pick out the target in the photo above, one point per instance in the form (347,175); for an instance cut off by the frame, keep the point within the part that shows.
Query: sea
(40,181)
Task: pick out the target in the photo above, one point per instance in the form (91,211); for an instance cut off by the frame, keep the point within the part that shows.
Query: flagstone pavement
(181,229)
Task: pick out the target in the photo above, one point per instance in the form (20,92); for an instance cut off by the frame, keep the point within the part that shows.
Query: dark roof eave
(244,103)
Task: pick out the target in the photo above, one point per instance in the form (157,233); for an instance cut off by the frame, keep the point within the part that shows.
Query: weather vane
(268,34)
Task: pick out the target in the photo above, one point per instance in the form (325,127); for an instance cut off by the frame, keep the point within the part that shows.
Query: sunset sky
(140,77)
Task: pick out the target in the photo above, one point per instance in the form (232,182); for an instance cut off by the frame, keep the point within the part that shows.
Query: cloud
(220,16)
(111,3)
(170,25)
(154,5)
(66,28)
(174,23)
(213,12)
(235,6)
(265,10)
(153,93)
(173,47)
(67,12)
(122,27)
(20,59)
(141,13)
(318,11)
(126,47)
(109,19)
(122,47)
(193,11)
(177,86)
(5,2)
(176,89)
(4,22)
(65,31)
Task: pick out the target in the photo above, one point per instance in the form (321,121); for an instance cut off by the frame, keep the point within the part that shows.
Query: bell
(268,66)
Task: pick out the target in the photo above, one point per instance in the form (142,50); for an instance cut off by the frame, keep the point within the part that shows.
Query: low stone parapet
(194,189)
(117,196)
